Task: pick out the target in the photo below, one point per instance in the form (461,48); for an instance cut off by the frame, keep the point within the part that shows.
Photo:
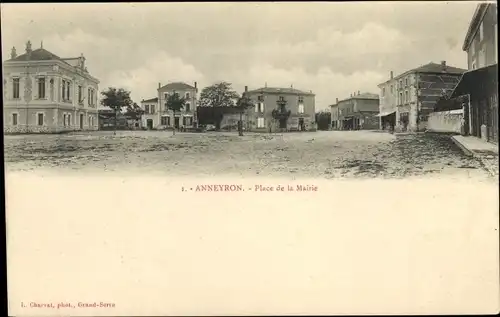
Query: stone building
(301,105)
(477,92)
(334,110)
(44,93)
(158,116)
(358,112)
(407,100)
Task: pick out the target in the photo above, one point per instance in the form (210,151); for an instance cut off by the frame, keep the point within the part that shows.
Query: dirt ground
(323,154)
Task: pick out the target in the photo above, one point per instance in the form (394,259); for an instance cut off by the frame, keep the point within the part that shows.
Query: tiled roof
(39,54)
(177,86)
(434,68)
(151,100)
(273,90)
(366,95)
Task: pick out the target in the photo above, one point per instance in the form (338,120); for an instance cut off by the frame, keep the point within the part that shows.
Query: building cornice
(52,62)
(474,24)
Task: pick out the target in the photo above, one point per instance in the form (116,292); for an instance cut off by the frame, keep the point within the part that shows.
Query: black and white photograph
(251,158)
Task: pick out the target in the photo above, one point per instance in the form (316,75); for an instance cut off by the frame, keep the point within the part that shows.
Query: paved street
(326,154)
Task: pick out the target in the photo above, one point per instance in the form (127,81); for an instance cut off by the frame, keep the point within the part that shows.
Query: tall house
(407,99)
(158,116)
(481,40)
(334,110)
(358,112)
(187,117)
(301,105)
(150,118)
(477,91)
(44,93)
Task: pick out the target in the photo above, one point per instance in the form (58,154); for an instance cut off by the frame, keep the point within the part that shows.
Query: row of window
(186,121)
(40,119)
(280,98)
(401,85)
(187,95)
(151,109)
(41,116)
(65,93)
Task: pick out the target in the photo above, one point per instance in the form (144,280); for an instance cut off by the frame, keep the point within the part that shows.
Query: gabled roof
(430,68)
(366,95)
(177,86)
(151,100)
(275,90)
(438,68)
(39,54)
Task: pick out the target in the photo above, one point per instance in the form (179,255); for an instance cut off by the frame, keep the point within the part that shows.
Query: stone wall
(445,121)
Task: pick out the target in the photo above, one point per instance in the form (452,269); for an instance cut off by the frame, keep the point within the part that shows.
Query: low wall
(445,121)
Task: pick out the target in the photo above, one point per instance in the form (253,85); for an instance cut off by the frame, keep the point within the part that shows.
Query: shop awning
(383,114)
(482,81)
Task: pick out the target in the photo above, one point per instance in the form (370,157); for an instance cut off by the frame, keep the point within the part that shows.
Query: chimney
(13,53)
(266,84)
(359,92)
(392,74)
(246,88)
(195,86)
(443,63)
(159,85)
(336,100)
(28,47)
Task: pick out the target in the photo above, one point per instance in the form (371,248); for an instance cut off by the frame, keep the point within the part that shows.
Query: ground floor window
(187,121)
(40,119)
(165,121)
(14,119)
(64,119)
(69,120)
(260,123)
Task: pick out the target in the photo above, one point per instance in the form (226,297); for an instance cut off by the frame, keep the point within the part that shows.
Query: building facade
(358,112)
(301,105)
(158,116)
(150,118)
(477,91)
(407,99)
(44,93)
(334,110)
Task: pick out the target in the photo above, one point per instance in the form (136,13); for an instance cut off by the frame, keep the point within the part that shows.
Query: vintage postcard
(251,158)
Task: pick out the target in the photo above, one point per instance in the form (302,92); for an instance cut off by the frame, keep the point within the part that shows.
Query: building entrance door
(301,124)
(149,124)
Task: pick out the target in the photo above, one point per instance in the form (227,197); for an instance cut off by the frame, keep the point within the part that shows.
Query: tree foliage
(243,103)
(218,95)
(175,102)
(116,99)
(323,119)
(134,112)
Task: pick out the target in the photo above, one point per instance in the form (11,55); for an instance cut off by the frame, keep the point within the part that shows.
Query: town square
(251,158)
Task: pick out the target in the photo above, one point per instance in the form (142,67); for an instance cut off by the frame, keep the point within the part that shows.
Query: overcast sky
(332,48)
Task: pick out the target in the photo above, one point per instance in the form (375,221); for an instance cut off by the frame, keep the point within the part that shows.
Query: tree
(134,112)
(323,119)
(243,103)
(176,104)
(116,99)
(219,95)
(281,114)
